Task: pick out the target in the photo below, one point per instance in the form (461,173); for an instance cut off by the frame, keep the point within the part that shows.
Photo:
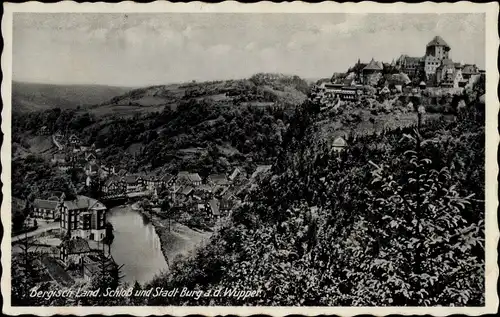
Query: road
(41,229)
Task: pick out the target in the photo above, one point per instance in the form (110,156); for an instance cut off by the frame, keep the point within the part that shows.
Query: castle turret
(438,48)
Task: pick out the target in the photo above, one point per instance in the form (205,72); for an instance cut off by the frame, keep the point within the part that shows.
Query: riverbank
(177,241)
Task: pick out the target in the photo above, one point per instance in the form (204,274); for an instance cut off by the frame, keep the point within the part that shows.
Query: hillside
(28,97)
(258,90)
(378,218)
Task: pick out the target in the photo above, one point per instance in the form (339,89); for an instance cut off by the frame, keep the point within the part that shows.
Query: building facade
(84,217)
(46,209)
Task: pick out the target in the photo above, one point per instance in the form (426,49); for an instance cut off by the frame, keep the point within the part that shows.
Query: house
(133,183)
(167,180)
(470,75)
(122,172)
(175,192)
(341,91)
(398,81)
(88,181)
(201,207)
(59,158)
(217,180)
(44,130)
(236,172)
(90,157)
(339,144)
(227,201)
(448,76)
(46,209)
(261,169)
(73,139)
(385,91)
(203,191)
(72,251)
(107,170)
(226,204)
(113,186)
(187,191)
(151,181)
(372,72)
(422,85)
(189,178)
(195,179)
(91,169)
(83,217)
(214,208)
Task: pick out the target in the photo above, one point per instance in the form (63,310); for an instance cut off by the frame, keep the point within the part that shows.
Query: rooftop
(373,65)
(76,245)
(438,41)
(83,202)
(45,204)
(339,142)
(214,206)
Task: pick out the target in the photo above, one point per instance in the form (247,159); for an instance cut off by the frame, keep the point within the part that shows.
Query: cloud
(219,49)
(250,46)
(141,49)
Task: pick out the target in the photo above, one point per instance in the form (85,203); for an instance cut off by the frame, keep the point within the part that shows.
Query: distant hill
(259,90)
(34,97)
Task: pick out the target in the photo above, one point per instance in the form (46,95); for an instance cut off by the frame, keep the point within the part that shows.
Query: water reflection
(136,245)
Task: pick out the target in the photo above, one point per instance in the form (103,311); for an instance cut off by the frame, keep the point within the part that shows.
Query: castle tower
(438,48)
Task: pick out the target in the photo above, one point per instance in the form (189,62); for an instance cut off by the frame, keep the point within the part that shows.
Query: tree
(25,273)
(109,236)
(428,254)
(171,212)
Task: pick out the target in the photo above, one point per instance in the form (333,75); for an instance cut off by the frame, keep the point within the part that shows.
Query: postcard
(267,158)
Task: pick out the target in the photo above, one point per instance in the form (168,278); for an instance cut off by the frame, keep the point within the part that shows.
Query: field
(28,97)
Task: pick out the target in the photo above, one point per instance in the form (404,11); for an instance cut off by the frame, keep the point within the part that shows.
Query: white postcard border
(492,140)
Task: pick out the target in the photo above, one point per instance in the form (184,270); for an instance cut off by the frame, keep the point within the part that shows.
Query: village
(73,230)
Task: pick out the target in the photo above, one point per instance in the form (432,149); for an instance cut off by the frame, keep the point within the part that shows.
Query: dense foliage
(397,219)
(197,135)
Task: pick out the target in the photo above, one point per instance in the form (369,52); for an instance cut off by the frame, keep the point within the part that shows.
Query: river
(136,245)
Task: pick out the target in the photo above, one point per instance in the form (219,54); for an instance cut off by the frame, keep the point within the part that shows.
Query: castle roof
(373,65)
(438,41)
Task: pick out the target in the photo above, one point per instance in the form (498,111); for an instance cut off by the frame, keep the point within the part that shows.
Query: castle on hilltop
(435,72)
(436,67)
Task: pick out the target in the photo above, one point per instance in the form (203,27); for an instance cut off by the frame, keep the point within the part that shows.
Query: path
(41,229)
(59,146)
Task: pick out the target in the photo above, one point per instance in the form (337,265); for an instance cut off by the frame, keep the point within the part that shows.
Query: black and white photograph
(249,158)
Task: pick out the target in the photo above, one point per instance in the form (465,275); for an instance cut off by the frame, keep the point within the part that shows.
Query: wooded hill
(397,219)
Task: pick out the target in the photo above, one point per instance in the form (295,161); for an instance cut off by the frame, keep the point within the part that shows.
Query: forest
(395,219)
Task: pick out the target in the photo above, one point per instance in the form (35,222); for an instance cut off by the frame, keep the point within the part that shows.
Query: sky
(141,49)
